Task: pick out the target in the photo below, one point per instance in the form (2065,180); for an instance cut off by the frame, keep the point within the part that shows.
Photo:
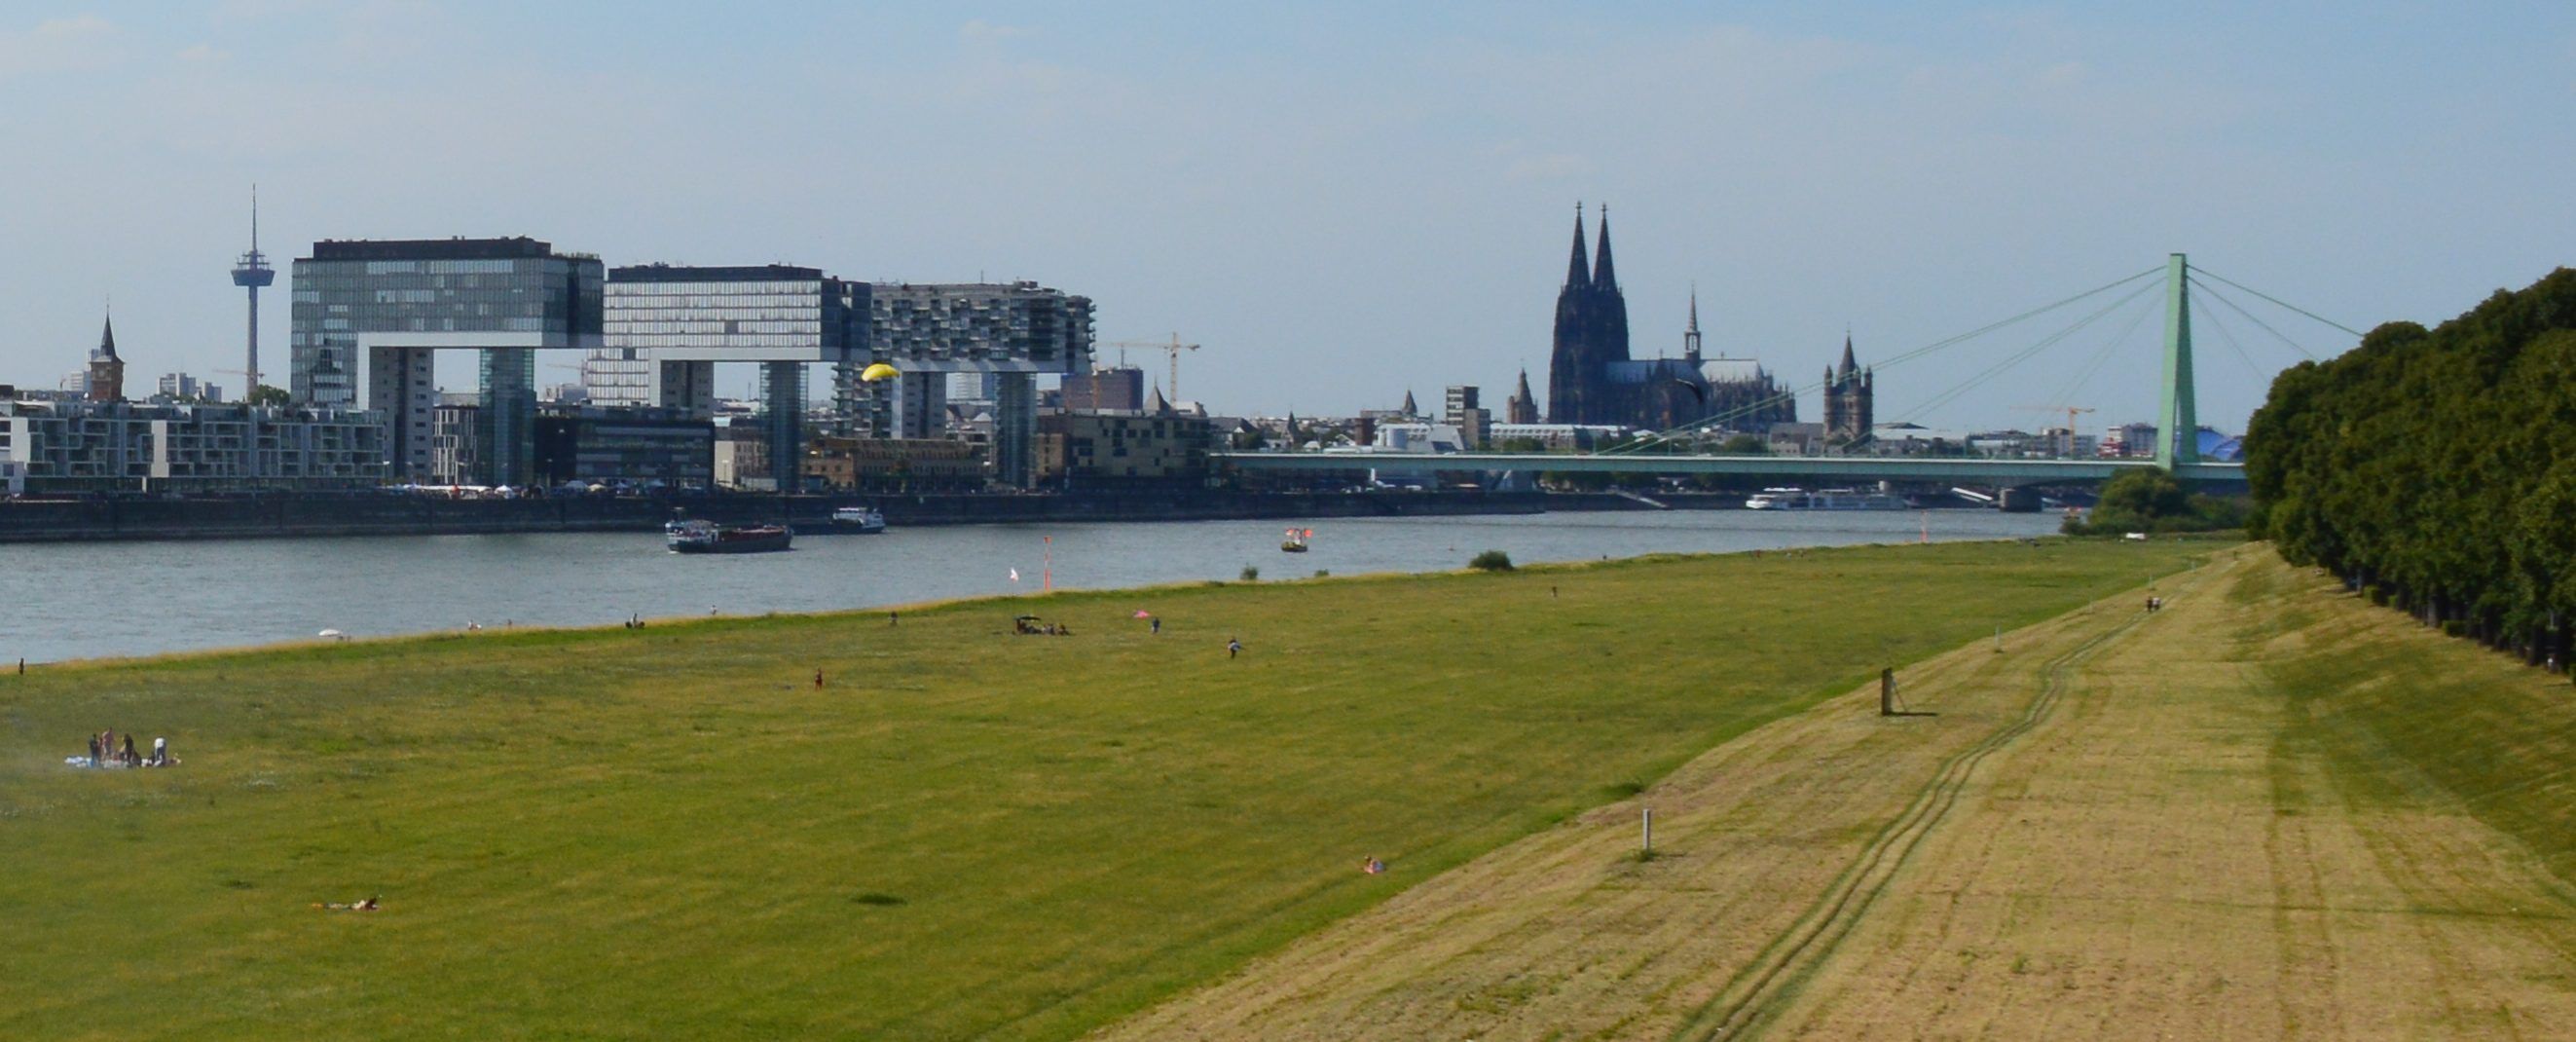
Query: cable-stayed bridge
(1680,450)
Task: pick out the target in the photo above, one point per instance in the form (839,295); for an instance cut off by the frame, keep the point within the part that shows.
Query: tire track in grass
(1794,955)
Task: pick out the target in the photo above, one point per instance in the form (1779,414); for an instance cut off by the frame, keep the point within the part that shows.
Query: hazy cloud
(981,31)
(1554,166)
(59,45)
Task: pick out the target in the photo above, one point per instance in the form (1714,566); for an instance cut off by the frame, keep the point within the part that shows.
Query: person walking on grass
(1233,647)
(818,680)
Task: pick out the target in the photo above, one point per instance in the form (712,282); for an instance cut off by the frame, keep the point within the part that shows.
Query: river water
(89,600)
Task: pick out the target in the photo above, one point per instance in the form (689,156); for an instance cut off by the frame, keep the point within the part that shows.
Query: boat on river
(1825,499)
(1295,543)
(708,537)
(858,520)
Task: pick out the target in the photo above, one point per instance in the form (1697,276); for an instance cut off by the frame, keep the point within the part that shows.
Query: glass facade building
(668,326)
(368,316)
(596,445)
(665,327)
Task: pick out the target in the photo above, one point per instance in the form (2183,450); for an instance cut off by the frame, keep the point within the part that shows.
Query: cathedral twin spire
(1583,271)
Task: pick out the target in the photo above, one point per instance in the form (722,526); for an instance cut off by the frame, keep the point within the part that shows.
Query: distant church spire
(1690,336)
(1602,274)
(104,379)
(1409,408)
(1848,366)
(1578,271)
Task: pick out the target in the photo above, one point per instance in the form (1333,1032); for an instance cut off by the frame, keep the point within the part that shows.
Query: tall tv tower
(251,272)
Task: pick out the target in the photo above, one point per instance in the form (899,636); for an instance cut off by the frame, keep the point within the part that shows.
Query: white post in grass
(1647,839)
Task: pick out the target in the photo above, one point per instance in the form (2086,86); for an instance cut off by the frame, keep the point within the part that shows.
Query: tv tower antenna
(252,272)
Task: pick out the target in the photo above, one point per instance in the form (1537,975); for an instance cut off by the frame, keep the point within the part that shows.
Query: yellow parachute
(879,371)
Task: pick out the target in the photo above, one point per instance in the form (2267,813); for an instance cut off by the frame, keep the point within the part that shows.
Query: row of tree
(2435,470)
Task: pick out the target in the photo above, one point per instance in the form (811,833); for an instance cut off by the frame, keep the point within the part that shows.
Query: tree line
(2435,470)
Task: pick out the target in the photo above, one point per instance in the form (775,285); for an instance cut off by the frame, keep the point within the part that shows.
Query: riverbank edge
(291,517)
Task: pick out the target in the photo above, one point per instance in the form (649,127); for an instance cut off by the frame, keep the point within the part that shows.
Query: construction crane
(1174,347)
(2071,413)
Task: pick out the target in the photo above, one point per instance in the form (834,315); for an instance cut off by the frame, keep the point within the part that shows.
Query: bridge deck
(1820,468)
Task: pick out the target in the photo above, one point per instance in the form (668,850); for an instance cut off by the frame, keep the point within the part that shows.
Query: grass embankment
(2402,714)
(2268,811)
(671,833)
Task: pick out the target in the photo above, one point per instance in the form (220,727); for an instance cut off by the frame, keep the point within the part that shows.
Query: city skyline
(1342,203)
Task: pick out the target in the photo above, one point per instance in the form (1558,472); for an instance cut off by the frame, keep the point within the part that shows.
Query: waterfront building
(1848,401)
(1555,436)
(845,464)
(1460,410)
(1592,379)
(175,387)
(1086,450)
(1418,436)
(597,445)
(1011,330)
(742,455)
(455,449)
(104,379)
(1113,389)
(370,315)
(2134,439)
(667,326)
(95,446)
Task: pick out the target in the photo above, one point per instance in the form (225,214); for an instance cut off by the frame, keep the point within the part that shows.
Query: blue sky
(1342,201)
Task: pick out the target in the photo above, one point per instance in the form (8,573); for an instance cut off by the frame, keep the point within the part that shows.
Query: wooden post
(1887,692)
(1646,839)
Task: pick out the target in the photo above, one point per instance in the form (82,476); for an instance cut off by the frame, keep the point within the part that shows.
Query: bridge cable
(2276,300)
(1696,426)
(1990,372)
(2294,345)
(2066,394)
(2229,336)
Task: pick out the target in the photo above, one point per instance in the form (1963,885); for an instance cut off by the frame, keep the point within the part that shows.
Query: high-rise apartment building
(667,326)
(1011,330)
(369,317)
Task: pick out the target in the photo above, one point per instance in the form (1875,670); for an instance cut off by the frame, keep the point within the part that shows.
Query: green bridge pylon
(2177,425)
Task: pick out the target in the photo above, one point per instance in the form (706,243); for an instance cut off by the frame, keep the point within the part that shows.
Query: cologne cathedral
(1592,380)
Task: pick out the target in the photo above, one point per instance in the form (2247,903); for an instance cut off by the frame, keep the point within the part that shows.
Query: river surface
(90,600)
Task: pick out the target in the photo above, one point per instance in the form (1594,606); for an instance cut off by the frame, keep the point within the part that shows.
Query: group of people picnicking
(105,750)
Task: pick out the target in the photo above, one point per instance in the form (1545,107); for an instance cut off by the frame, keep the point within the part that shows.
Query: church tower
(1523,406)
(1849,416)
(106,371)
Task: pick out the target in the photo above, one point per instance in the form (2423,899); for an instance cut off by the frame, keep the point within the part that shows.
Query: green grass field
(669,833)
(2403,713)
